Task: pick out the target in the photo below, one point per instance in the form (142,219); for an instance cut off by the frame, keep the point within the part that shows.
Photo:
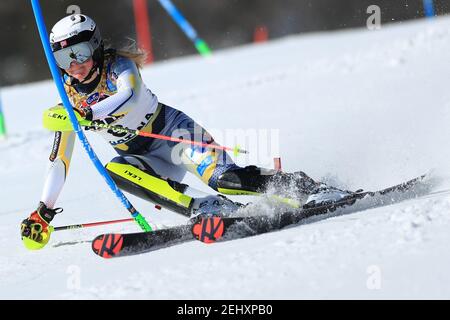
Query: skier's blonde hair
(132,52)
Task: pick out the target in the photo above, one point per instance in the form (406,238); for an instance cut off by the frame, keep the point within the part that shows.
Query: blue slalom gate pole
(187,28)
(76,126)
(428,7)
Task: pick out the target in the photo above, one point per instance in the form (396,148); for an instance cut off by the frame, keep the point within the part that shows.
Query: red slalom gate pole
(143,31)
(93,224)
(261,34)
(277,164)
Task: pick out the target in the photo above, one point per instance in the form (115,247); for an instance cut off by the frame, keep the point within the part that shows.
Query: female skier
(105,86)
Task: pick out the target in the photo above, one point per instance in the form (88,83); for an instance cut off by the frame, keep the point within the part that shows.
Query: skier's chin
(79,75)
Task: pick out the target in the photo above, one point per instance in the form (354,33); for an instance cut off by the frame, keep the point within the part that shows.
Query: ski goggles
(80,53)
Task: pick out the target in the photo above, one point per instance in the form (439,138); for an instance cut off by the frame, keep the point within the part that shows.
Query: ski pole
(118,129)
(92,224)
(56,120)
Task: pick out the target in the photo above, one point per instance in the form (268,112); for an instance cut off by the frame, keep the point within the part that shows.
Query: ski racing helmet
(76,38)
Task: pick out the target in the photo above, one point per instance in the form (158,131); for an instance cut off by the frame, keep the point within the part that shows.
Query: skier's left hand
(36,229)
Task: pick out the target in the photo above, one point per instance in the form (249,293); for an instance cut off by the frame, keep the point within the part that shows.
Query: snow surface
(361,109)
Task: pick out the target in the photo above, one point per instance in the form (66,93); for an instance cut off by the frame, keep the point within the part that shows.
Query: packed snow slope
(360,109)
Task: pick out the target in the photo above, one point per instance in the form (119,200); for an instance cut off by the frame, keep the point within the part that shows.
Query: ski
(113,245)
(212,229)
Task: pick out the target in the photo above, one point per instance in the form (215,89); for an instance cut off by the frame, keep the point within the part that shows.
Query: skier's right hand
(35,230)
(84,112)
(57,119)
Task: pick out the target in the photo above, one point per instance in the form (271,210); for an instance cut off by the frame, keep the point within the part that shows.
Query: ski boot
(325,195)
(252,180)
(213,205)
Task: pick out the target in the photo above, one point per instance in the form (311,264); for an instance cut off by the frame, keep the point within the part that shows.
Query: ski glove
(85,113)
(36,229)
(57,119)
